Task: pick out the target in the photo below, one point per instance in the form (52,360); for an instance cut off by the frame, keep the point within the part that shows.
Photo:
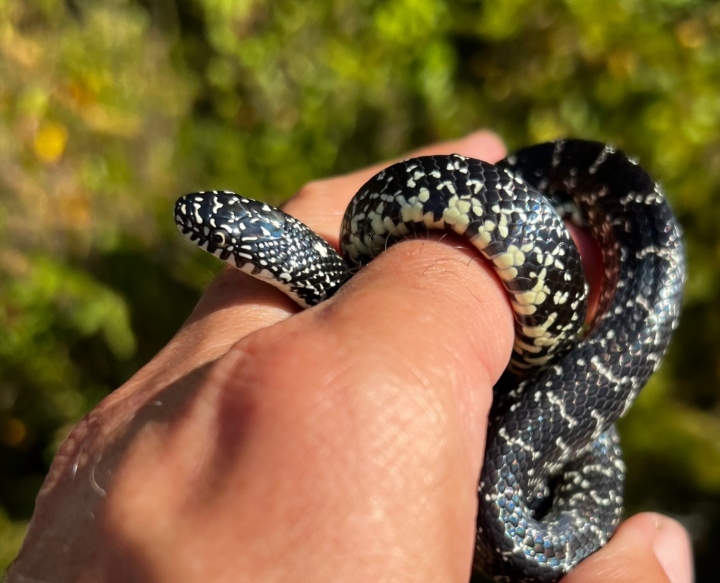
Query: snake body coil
(550,493)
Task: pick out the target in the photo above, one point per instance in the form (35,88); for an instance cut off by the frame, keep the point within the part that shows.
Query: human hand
(342,444)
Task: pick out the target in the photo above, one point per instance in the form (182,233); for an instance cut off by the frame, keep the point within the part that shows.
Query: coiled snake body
(550,493)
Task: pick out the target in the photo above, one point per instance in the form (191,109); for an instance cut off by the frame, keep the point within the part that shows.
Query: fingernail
(672,549)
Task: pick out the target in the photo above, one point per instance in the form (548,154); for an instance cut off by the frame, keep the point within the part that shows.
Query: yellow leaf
(50,142)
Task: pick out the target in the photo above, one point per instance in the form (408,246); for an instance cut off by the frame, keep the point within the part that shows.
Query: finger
(647,548)
(236,304)
(340,445)
(592,265)
(321,203)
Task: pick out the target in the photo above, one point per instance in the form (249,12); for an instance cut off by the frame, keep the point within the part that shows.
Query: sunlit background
(109,109)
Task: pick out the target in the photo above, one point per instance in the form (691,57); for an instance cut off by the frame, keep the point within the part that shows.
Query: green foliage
(109,109)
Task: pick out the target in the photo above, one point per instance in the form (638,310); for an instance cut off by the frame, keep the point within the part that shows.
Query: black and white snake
(550,492)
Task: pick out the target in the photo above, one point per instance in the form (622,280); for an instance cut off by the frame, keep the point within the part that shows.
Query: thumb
(647,548)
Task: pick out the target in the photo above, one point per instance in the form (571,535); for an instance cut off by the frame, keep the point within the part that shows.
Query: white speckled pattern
(550,493)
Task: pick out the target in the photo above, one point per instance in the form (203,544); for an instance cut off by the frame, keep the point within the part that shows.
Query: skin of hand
(340,444)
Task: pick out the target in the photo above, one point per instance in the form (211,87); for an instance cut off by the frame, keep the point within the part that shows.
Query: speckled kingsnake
(550,493)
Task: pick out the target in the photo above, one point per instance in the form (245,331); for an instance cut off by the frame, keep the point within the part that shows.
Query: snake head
(228,225)
(263,242)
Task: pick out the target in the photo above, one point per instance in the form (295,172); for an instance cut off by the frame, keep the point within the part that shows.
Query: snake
(550,492)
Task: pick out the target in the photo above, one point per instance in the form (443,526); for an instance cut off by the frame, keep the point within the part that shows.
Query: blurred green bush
(109,109)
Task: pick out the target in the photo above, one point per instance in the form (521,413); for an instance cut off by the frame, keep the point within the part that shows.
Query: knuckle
(312,190)
(283,354)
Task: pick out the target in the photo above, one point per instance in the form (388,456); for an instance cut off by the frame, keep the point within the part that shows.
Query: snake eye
(219,238)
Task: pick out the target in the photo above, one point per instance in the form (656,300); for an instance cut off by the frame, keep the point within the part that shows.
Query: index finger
(236,304)
(321,204)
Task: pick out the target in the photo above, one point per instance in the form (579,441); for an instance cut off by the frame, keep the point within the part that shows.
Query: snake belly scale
(550,492)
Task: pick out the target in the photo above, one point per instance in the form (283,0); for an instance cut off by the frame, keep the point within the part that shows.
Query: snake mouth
(183,219)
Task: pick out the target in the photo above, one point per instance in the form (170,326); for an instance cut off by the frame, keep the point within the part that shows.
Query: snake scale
(550,492)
